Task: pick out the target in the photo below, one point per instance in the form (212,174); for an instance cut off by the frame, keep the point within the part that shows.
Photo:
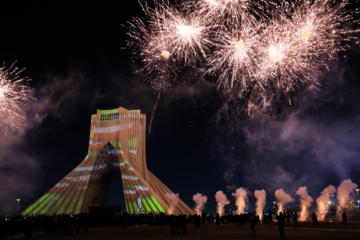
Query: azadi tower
(117,142)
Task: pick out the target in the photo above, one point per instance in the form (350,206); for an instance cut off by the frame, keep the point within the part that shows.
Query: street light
(18,205)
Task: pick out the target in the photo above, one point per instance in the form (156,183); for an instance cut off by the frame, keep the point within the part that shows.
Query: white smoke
(323,200)
(282,198)
(173,201)
(241,198)
(343,194)
(221,200)
(305,201)
(200,201)
(260,202)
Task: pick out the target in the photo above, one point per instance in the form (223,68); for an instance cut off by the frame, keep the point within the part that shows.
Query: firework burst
(300,39)
(230,13)
(283,65)
(187,34)
(154,53)
(272,46)
(236,58)
(14,93)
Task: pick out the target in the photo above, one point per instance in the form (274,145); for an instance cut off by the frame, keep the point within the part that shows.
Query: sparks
(277,46)
(14,93)
(235,59)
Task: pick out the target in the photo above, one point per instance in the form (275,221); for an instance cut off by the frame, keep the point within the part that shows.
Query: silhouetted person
(203,219)
(86,224)
(281,224)
(253,222)
(295,218)
(314,219)
(288,217)
(344,218)
(28,228)
(174,225)
(3,229)
(77,225)
(183,224)
(217,217)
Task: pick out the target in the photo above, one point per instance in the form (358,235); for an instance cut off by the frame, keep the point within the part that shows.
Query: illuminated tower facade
(117,142)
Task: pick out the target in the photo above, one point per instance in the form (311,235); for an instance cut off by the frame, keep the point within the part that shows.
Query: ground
(212,231)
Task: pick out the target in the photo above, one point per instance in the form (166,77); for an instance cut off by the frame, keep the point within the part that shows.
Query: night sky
(202,139)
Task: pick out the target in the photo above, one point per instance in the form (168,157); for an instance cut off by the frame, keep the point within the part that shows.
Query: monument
(117,142)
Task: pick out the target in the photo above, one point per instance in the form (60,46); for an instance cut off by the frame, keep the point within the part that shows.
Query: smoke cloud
(282,198)
(221,200)
(200,201)
(19,169)
(289,145)
(343,195)
(323,200)
(305,201)
(173,201)
(260,202)
(241,198)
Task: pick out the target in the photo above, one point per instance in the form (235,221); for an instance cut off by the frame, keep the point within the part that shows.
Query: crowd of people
(79,224)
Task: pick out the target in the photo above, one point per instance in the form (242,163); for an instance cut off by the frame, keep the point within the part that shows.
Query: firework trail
(241,198)
(282,198)
(14,93)
(200,201)
(173,201)
(306,201)
(260,202)
(154,110)
(323,201)
(221,200)
(343,195)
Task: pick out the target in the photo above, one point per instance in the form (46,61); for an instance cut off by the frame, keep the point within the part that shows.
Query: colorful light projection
(117,142)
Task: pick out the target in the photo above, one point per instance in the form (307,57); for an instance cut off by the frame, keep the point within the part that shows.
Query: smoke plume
(282,198)
(200,201)
(323,200)
(289,145)
(173,201)
(260,202)
(241,198)
(221,200)
(343,194)
(306,201)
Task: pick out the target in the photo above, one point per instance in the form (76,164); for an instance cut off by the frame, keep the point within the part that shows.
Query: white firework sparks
(277,46)
(300,39)
(236,59)
(230,13)
(14,93)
